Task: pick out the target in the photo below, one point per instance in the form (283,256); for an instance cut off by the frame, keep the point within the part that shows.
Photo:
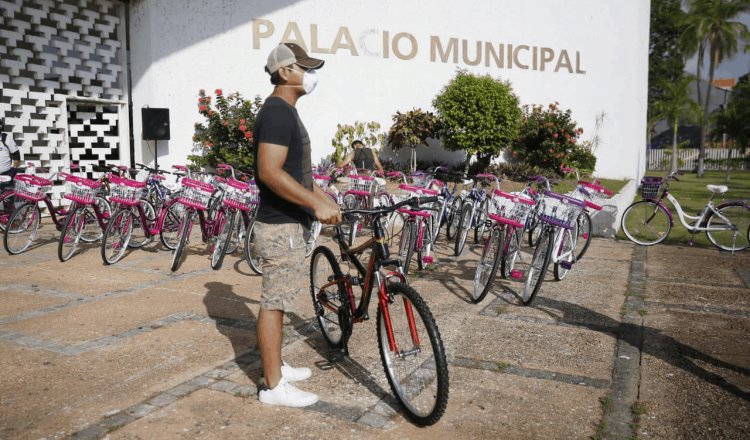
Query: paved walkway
(635,342)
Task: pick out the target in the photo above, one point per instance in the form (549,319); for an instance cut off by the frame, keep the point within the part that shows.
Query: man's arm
(377,162)
(349,157)
(271,158)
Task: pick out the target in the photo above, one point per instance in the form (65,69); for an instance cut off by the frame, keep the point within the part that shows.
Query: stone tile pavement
(634,343)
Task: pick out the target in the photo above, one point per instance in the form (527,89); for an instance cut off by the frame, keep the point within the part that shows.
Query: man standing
(362,158)
(289,200)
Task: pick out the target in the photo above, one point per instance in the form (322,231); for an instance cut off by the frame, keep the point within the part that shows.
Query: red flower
(202,108)
(218,92)
(248,135)
(242,122)
(572,141)
(554,135)
(243,128)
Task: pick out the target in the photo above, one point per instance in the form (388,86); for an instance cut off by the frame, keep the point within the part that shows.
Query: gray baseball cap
(286,54)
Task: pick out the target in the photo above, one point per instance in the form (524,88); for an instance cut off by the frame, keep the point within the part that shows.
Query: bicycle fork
(384,300)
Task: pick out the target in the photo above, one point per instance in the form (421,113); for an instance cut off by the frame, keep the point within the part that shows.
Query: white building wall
(181,46)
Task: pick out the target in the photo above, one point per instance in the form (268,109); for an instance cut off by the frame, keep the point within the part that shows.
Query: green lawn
(692,194)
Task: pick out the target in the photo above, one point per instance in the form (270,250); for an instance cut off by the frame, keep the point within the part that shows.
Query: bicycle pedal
(428,260)
(585,236)
(516,274)
(566,265)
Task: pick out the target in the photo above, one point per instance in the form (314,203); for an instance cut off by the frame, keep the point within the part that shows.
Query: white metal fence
(687,159)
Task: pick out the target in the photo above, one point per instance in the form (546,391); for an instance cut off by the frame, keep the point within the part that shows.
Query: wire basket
(361,184)
(420,179)
(406,191)
(125,191)
(650,187)
(254,191)
(31,187)
(195,194)
(322,181)
(509,208)
(81,190)
(236,195)
(559,210)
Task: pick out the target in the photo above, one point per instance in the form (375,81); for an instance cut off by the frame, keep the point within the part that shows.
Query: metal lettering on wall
(406,46)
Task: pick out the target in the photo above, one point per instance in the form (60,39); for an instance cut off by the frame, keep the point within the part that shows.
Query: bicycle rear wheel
(565,254)
(223,239)
(415,365)
(583,234)
(481,220)
(252,255)
(178,255)
(21,229)
(538,267)
(140,237)
(91,230)
(464,224)
(511,249)
(406,244)
(646,223)
(72,229)
(454,215)
(488,262)
(736,222)
(117,235)
(330,301)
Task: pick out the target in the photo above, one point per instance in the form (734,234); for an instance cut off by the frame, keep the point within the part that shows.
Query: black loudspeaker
(155,124)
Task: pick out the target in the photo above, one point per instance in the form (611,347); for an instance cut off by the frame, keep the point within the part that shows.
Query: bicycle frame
(697,220)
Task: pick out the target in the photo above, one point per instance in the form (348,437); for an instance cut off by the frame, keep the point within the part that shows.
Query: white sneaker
(294,374)
(286,394)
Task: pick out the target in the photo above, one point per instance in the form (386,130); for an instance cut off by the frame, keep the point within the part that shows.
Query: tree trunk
(704,122)
(673,167)
(729,165)
(413,161)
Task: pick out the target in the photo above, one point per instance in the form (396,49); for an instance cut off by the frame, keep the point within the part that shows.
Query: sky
(733,67)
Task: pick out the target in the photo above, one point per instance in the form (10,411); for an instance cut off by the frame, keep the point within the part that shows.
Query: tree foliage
(665,57)
(479,115)
(412,129)
(734,121)
(677,105)
(548,138)
(226,135)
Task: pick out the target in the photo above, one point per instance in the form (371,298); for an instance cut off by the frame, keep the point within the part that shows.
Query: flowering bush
(226,135)
(548,139)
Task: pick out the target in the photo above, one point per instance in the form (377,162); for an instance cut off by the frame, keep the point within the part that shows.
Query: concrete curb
(606,222)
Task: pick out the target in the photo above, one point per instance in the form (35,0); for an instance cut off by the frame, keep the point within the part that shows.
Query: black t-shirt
(278,123)
(364,158)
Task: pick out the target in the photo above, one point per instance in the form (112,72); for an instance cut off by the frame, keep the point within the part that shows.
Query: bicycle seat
(717,189)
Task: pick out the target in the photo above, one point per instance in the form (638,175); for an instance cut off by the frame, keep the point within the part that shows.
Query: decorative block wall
(52,51)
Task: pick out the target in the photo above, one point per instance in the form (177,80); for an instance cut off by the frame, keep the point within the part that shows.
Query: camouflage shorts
(282,247)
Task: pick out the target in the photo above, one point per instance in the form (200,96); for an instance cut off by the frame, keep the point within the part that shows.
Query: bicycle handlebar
(412,201)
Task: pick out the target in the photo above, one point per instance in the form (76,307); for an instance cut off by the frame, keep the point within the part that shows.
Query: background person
(362,158)
(288,201)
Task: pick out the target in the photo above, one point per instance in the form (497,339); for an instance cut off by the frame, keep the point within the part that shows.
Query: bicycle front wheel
(406,244)
(454,215)
(170,227)
(464,224)
(186,223)
(734,219)
(538,267)
(91,230)
(415,360)
(21,229)
(117,235)
(140,236)
(328,296)
(423,251)
(646,223)
(511,249)
(488,263)
(583,234)
(75,223)
(252,254)
(223,239)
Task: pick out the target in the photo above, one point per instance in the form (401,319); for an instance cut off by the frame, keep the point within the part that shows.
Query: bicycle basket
(510,208)
(81,190)
(31,187)
(125,191)
(195,194)
(236,195)
(560,210)
(254,191)
(420,179)
(361,184)
(322,181)
(650,187)
(407,191)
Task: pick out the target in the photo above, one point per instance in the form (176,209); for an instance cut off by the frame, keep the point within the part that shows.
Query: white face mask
(309,80)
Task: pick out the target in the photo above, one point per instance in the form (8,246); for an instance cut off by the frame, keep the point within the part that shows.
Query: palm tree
(677,104)
(710,25)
